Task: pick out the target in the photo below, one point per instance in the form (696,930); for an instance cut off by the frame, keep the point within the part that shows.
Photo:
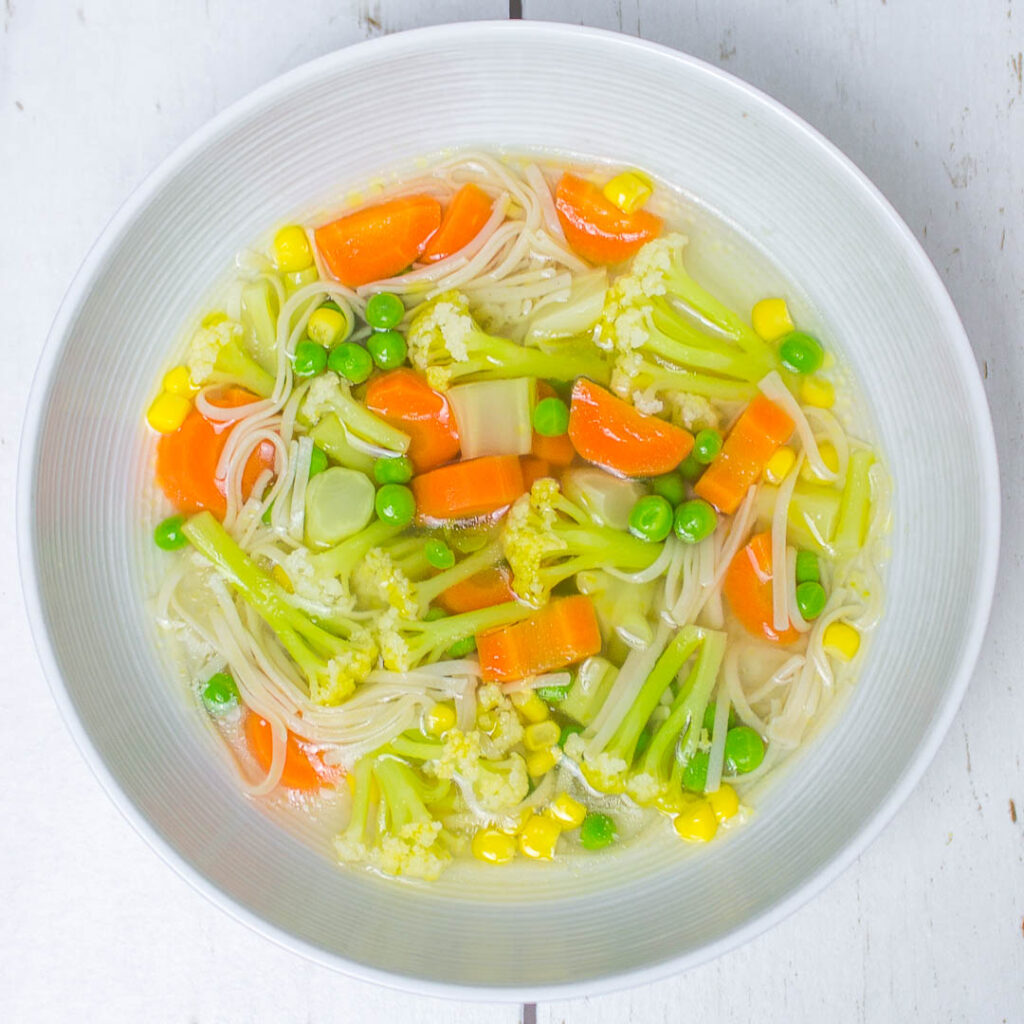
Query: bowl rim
(901,787)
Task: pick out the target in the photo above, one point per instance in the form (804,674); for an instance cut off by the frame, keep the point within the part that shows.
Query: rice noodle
(772,387)
(780,526)
(716,755)
(657,568)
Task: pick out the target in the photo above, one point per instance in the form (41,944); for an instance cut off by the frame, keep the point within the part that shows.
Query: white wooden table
(927,98)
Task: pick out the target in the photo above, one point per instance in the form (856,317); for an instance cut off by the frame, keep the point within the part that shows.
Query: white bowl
(644,912)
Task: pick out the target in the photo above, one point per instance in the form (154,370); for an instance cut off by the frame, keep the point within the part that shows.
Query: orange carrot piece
(302,768)
(534,469)
(595,227)
(378,241)
(406,401)
(466,215)
(563,632)
(483,590)
(471,488)
(609,432)
(748,589)
(186,461)
(755,436)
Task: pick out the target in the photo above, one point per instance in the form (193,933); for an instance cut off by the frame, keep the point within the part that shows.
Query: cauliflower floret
(603,771)
(204,347)
(647,402)
(654,262)
(415,852)
(378,581)
(692,411)
(461,752)
(346,670)
(497,719)
(499,791)
(307,584)
(324,395)
(644,788)
(446,319)
(393,648)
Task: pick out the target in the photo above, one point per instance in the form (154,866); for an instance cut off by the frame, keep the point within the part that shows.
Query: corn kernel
(724,802)
(818,391)
(439,719)
(779,465)
(841,640)
(829,455)
(541,735)
(539,762)
(218,316)
(291,249)
(770,319)
(179,382)
(168,412)
(628,191)
(493,847)
(569,813)
(299,279)
(539,837)
(530,706)
(282,580)
(696,823)
(326,326)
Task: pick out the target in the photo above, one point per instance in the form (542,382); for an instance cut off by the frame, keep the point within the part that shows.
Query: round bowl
(748,162)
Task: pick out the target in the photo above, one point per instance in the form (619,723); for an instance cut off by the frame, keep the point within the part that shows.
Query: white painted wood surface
(928,99)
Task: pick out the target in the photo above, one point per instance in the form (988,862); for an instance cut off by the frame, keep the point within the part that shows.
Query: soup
(485,522)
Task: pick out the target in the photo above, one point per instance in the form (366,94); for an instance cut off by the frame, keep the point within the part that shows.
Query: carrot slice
(755,436)
(406,401)
(471,488)
(186,461)
(748,589)
(466,215)
(563,632)
(609,432)
(488,587)
(301,769)
(595,227)
(534,469)
(378,241)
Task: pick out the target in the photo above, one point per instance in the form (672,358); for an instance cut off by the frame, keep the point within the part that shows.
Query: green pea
(434,613)
(801,352)
(438,554)
(352,361)
(670,487)
(807,568)
(706,445)
(388,349)
(597,831)
(651,518)
(384,311)
(810,599)
(309,359)
(572,729)
(553,694)
(219,693)
(695,520)
(744,750)
(690,469)
(392,470)
(695,774)
(317,462)
(461,648)
(395,504)
(168,535)
(551,417)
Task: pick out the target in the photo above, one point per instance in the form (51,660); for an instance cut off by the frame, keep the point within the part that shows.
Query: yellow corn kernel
(541,735)
(539,762)
(282,580)
(538,837)
(770,319)
(530,706)
(628,191)
(291,249)
(569,813)
(696,823)
(841,640)
(493,847)
(168,412)
(179,382)
(218,316)
(299,279)
(439,719)
(724,802)
(818,391)
(326,326)
(779,465)
(829,455)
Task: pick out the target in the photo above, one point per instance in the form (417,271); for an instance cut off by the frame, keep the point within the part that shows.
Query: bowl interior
(306,138)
